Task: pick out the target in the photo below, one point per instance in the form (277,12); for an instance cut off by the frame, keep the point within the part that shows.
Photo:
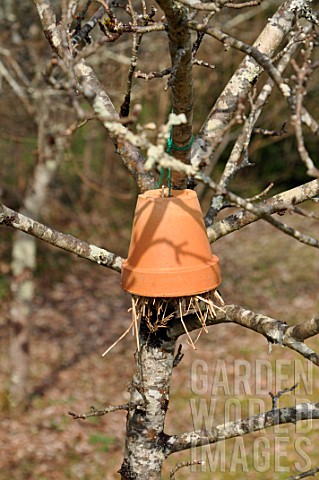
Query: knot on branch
(277,333)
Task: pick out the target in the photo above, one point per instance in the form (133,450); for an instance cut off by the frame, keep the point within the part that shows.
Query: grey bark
(64,241)
(277,203)
(243,426)
(145,438)
(239,86)
(181,81)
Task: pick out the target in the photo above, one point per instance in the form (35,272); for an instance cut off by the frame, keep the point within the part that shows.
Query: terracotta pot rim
(174,296)
(170,284)
(170,270)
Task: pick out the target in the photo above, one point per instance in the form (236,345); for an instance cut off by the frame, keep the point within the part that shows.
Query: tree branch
(218,5)
(65,242)
(275,331)
(261,58)
(181,82)
(234,163)
(277,203)
(178,466)
(304,330)
(99,413)
(275,397)
(104,110)
(20,92)
(303,75)
(50,28)
(278,26)
(95,95)
(83,33)
(303,411)
(308,473)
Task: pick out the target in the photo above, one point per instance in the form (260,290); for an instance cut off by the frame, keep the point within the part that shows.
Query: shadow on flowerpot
(169,253)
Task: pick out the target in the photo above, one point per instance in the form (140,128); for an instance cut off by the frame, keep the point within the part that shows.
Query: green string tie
(171,146)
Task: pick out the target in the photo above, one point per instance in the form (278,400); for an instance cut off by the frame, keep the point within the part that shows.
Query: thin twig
(262,59)
(271,133)
(179,356)
(303,213)
(261,194)
(302,76)
(275,398)
(218,4)
(151,75)
(308,473)
(182,465)
(201,63)
(137,39)
(98,413)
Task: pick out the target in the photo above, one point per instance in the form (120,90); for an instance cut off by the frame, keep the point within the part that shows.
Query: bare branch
(201,63)
(182,465)
(50,28)
(251,3)
(262,59)
(244,426)
(303,74)
(303,9)
(241,83)
(137,39)
(275,331)
(271,133)
(65,242)
(277,203)
(96,96)
(307,240)
(304,330)
(98,413)
(82,32)
(307,119)
(151,75)
(308,473)
(19,91)
(182,82)
(303,213)
(275,397)
(261,194)
(104,109)
(178,357)
(218,4)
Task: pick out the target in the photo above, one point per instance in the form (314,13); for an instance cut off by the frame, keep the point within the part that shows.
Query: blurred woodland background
(78,308)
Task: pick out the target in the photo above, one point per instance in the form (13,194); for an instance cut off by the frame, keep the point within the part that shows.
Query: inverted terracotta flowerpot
(169,253)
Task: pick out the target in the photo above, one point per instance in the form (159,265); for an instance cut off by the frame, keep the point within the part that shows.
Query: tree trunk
(22,286)
(24,251)
(145,438)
